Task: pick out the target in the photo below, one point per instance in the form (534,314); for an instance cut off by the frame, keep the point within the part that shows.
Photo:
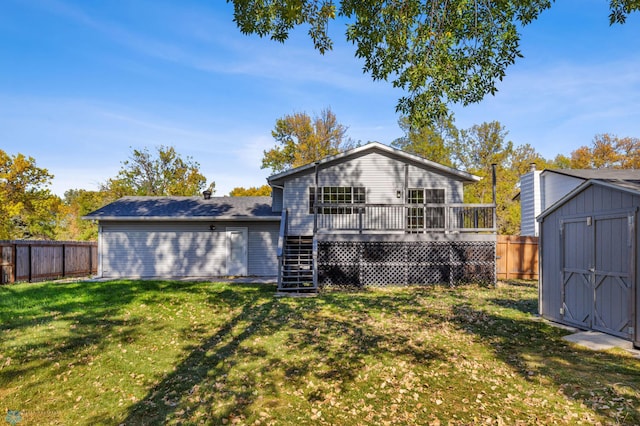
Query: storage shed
(589,245)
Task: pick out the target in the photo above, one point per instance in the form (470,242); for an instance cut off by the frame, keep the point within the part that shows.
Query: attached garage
(589,245)
(173,237)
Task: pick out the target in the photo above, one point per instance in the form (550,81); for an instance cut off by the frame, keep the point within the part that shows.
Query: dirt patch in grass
(158,352)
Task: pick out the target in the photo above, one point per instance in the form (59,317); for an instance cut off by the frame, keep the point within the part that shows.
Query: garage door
(163,254)
(596,273)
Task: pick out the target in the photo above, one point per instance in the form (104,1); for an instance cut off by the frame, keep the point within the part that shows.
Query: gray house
(589,245)
(371,216)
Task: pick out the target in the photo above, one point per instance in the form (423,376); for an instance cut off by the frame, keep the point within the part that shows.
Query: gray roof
(186,208)
(623,174)
(377,146)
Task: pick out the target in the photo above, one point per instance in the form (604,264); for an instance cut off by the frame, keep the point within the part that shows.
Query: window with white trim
(339,195)
(421,216)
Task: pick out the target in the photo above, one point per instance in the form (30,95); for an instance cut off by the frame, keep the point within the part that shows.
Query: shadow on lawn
(220,379)
(90,308)
(537,352)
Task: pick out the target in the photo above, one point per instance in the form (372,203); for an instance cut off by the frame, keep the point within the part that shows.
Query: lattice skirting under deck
(359,263)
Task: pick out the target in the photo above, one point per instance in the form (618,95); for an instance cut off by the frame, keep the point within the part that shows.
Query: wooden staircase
(297,264)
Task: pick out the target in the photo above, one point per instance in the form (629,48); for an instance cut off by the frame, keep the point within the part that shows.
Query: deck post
(314,257)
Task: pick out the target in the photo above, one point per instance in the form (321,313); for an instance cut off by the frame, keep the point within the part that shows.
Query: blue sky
(81,82)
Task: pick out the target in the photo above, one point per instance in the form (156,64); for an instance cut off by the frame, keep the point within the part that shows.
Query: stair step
(297,264)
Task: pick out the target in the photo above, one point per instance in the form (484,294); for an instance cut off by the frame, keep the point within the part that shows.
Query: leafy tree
(480,146)
(78,203)
(607,151)
(437,51)
(164,173)
(561,162)
(433,141)
(263,191)
(28,209)
(476,150)
(302,140)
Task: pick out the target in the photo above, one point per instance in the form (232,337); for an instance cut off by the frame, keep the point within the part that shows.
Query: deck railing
(412,218)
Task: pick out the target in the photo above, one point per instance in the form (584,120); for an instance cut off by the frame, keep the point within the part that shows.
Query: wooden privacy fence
(517,257)
(43,260)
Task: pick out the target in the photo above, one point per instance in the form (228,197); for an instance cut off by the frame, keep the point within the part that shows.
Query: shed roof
(377,146)
(186,208)
(585,174)
(626,185)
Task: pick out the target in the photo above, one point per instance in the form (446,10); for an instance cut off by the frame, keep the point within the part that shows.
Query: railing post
(360,211)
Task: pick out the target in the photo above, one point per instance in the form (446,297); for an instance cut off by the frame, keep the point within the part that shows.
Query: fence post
(506,260)
(14,261)
(63,260)
(29,260)
(90,259)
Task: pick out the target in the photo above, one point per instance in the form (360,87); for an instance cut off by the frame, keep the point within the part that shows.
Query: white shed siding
(530,203)
(380,174)
(175,249)
(555,186)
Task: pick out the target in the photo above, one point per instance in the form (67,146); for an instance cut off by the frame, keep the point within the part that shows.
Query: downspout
(314,252)
(405,195)
(493,196)
(495,225)
(315,202)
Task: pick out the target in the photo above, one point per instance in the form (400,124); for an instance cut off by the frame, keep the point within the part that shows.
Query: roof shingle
(186,208)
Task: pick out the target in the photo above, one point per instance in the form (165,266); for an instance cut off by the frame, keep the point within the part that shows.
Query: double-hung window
(423,216)
(340,196)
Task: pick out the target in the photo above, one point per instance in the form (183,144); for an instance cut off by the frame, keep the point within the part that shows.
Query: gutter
(182,218)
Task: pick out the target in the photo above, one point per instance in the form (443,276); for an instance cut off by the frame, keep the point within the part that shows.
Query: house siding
(593,201)
(276,200)
(179,249)
(381,175)
(530,203)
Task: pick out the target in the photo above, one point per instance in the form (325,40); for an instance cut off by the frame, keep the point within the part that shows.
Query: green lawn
(156,352)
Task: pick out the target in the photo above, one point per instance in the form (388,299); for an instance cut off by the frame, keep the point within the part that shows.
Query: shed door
(577,253)
(237,259)
(596,273)
(612,278)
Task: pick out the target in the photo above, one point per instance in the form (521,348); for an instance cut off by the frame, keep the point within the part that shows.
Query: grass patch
(158,352)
